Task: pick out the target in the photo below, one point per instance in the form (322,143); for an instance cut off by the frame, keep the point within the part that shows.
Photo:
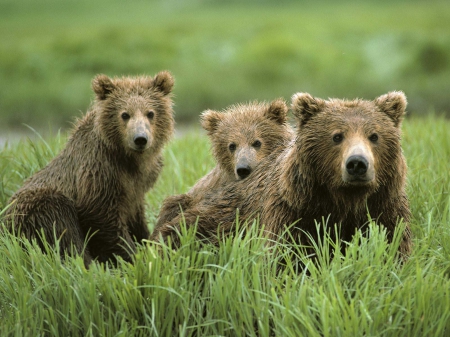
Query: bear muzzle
(243,168)
(140,141)
(356,166)
(358,163)
(358,170)
(246,161)
(243,171)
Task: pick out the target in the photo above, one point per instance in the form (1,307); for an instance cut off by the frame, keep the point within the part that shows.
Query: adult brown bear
(344,163)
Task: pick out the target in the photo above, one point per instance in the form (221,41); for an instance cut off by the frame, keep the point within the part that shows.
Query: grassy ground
(220,52)
(235,290)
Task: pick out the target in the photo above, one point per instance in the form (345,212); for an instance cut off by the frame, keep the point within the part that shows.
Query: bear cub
(241,137)
(93,190)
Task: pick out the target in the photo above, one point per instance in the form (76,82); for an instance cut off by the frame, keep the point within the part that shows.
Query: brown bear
(93,190)
(344,163)
(241,137)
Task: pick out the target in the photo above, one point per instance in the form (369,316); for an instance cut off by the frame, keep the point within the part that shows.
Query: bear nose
(140,140)
(243,171)
(356,165)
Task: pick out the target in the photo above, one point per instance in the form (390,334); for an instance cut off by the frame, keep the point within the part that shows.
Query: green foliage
(238,289)
(21,160)
(220,52)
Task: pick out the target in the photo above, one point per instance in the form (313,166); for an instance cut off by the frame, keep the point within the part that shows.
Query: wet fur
(302,183)
(94,188)
(241,125)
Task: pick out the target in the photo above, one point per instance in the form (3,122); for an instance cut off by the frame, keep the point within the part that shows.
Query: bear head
(135,113)
(350,147)
(244,134)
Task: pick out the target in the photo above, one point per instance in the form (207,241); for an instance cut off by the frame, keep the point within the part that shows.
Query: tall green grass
(220,52)
(238,289)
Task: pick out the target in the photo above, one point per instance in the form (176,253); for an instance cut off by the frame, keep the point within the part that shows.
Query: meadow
(223,52)
(237,289)
(220,52)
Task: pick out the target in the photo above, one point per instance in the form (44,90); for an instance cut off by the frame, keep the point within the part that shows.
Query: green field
(235,290)
(220,52)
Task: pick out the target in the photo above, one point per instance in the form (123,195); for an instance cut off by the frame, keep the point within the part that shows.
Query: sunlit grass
(239,288)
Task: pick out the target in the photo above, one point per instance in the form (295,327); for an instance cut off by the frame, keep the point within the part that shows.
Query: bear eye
(373,138)
(337,138)
(232,147)
(150,114)
(256,144)
(125,116)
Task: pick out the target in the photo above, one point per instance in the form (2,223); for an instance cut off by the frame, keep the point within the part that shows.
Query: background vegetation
(235,290)
(220,52)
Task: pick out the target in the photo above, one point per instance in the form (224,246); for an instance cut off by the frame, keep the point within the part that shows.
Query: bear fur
(93,190)
(344,163)
(241,137)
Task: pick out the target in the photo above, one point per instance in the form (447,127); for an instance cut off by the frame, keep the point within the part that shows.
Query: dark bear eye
(373,138)
(125,116)
(337,138)
(256,143)
(232,147)
(150,115)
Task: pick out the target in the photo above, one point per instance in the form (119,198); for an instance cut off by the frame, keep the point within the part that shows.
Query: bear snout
(243,168)
(140,140)
(358,169)
(356,165)
(243,171)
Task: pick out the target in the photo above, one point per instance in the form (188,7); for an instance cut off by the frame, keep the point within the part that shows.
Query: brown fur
(94,189)
(254,130)
(309,179)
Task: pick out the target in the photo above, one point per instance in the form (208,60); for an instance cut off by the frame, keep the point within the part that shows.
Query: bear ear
(163,81)
(393,104)
(210,120)
(102,86)
(277,111)
(304,106)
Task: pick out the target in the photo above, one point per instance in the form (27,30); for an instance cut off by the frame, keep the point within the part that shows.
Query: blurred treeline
(220,52)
